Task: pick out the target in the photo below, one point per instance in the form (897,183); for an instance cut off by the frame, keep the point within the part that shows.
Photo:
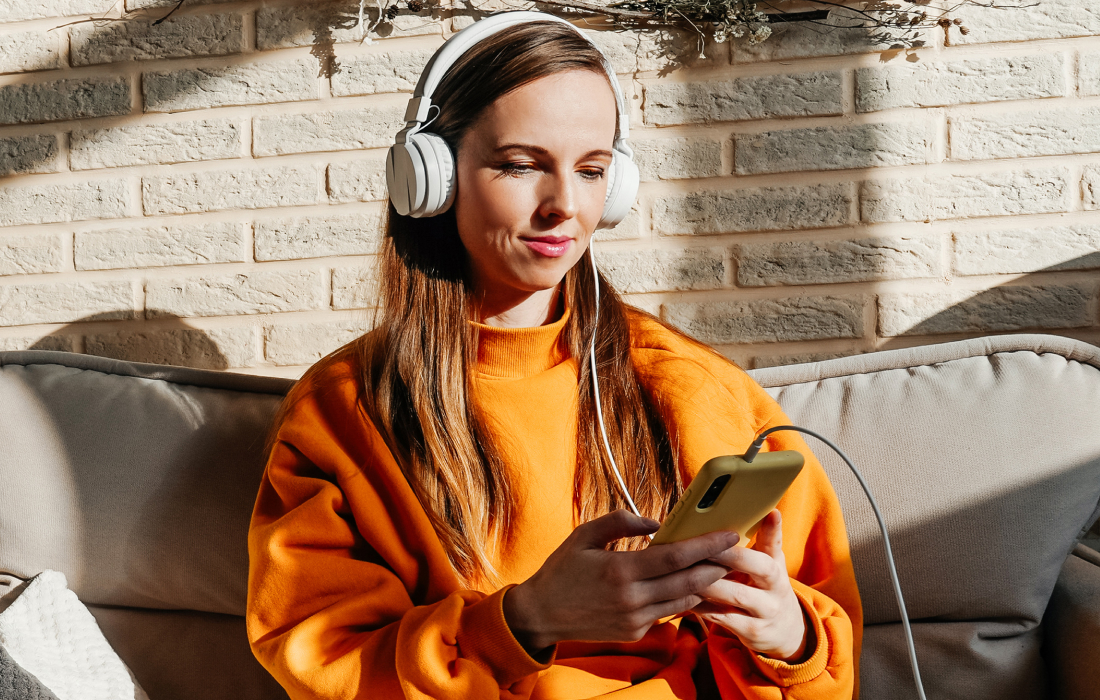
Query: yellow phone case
(750,492)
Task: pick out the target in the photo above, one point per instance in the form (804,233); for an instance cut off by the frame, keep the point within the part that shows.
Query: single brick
(354,287)
(826,262)
(960,82)
(393,71)
(318,236)
(1028,250)
(959,196)
(834,148)
(28,154)
(1008,308)
(342,130)
(677,158)
(306,343)
(27,255)
(61,343)
(253,83)
(19,10)
(768,320)
(44,204)
(158,246)
(755,209)
(760,97)
(663,270)
(1089,77)
(180,142)
(629,227)
(24,304)
(327,23)
(142,40)
(58,100)
(225,295)
(216,348)
(357,181)
(1090,185)
(29,51)
(1049,19)
(812,40)
(1026,134)
(230,189)
(762,361)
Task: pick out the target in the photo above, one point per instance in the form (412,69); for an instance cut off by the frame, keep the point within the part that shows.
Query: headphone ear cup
(437,192)
(444,180)
(404,177)
(420,175)
(622,189)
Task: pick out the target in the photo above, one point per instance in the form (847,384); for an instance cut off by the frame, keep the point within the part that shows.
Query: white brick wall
(203,192)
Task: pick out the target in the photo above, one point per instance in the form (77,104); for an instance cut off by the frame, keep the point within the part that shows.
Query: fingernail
(650,522)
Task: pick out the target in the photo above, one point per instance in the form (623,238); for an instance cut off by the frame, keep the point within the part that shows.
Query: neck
(523,310)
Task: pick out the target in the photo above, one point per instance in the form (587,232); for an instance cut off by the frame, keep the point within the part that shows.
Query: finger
(668,608)
(616,525)
(745,599)
(678,584)
(763,569)
(769,538)
(662,559)
(744,626)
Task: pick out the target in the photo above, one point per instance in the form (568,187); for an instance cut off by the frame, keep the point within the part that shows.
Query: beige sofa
(137,482)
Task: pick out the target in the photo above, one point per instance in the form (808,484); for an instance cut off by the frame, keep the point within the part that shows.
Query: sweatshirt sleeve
(347,596)
(712,408)
(815,544)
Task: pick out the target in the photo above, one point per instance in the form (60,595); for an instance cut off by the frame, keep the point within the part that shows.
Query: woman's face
(532,174)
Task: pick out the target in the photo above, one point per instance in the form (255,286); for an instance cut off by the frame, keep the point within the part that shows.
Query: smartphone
(729,493)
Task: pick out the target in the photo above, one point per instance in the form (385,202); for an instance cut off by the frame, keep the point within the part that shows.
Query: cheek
(485,200)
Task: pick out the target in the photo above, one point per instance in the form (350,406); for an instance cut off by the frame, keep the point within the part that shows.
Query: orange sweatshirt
(351,595)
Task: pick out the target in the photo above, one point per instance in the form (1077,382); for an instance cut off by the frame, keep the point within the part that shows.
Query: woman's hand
(756,601)
(585,593)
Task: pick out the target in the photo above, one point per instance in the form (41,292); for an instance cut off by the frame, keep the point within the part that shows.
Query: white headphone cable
(596,383)
(750,454)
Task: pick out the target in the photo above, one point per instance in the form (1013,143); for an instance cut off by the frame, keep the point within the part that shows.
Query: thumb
(769,538)
(616,525)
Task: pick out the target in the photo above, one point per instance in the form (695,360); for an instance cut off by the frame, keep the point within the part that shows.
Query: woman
(438,518)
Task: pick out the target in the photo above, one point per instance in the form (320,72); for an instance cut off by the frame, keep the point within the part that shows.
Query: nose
(558,197)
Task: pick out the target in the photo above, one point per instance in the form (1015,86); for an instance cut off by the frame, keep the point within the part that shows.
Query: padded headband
(420,104)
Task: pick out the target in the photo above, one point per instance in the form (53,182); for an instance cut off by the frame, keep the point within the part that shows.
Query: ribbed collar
(515,353)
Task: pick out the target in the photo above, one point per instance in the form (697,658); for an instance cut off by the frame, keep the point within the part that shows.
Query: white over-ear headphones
(420,168)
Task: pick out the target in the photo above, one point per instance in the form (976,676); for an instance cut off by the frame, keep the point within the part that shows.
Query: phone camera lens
(713,492)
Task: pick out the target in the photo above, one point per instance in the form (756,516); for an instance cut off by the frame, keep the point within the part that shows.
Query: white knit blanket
(49,632)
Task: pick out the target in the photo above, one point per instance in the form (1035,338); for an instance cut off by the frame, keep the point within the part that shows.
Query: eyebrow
(542,151)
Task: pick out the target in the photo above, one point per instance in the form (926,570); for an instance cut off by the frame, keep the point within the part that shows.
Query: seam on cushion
(1092,359)
(169,374)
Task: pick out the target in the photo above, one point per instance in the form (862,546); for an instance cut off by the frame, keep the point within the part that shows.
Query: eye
(592,174)
(515,169)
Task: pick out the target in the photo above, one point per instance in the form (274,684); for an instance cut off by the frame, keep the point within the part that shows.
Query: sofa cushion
(984,456)
(136,481)
(185,655)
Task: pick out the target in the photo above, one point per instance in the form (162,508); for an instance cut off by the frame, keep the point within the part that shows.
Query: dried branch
(170,12)
(596,8)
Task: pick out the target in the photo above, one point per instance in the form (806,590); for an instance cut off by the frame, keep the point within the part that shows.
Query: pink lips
(550,246)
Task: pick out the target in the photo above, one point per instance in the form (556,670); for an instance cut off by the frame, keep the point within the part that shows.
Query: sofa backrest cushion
(984,456)
(136,481)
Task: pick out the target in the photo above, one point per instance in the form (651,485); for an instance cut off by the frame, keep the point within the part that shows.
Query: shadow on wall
(1019,306)
(169,342)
